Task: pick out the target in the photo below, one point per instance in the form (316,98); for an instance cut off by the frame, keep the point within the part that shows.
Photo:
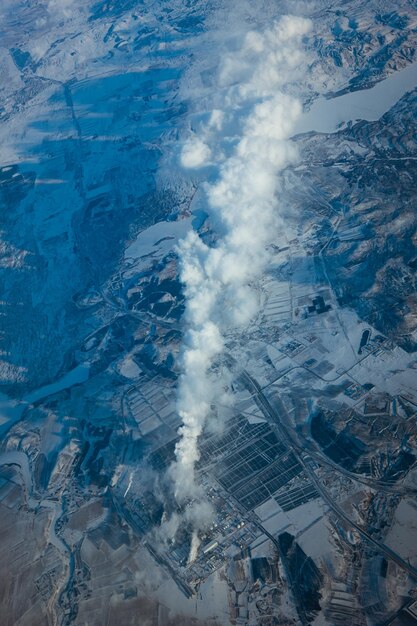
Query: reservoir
(329,115)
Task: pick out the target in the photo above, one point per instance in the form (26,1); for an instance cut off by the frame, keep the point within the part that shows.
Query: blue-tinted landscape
(208,313)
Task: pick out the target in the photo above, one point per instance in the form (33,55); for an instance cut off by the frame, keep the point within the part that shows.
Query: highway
(306,461)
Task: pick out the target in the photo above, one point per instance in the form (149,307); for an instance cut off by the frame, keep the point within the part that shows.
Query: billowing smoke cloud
(246,140)
(63,8)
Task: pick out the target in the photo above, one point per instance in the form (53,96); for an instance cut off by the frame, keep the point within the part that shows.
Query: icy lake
(327,116)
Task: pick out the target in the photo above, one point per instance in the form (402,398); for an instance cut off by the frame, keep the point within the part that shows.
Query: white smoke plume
(61,8)
(246,138)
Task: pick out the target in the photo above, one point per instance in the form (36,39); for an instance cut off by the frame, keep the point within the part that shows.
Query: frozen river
(326,116)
